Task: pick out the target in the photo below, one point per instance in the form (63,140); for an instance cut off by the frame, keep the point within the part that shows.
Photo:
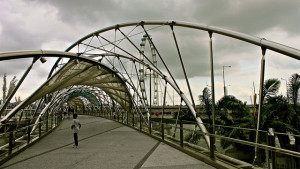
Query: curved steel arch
(291,52)
(37,54)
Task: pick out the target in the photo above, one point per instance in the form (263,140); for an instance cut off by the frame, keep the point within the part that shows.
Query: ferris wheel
(142,71)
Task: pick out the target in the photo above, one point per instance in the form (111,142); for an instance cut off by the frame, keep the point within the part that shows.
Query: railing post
(55,119)
(140,122)
(10,143)
(40,127)
(122,117)
(150,125)
(132,119)
(181,133)
(47,122)
(52,120)
(28,131)
(162,131)
(271,154)
(127,117)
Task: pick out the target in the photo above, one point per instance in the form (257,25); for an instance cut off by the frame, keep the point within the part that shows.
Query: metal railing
(239,152)
(17,137)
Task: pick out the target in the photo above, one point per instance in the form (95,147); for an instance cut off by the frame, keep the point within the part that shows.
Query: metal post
(179,110)
(162,131)
(51,121)
(181,133)
(132,118)
(150,101)
(11,137)
(164,102)
(271,154)
(47,122)
(10,143)
(118,116)
(28,131)
(212,141)
(150,125)
(127,117)
(40,127)
(140,122)
(262,75)
(55,119)
(224,80)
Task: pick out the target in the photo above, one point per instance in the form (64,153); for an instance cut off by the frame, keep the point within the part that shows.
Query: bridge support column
(261,85)
(212,139)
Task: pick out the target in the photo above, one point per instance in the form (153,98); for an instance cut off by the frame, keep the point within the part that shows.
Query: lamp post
(287,94)
(224,80)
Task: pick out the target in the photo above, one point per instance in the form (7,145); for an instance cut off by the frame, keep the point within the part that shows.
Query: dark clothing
(76,139)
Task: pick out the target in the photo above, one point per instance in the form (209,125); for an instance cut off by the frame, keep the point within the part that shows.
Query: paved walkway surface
(102,144)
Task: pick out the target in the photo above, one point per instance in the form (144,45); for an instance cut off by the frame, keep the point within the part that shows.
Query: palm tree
(233,112)
(278,114)
(293,90)
(270,88)
(206,101)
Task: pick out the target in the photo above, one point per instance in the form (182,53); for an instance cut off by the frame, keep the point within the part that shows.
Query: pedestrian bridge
(104,144)
(135,75)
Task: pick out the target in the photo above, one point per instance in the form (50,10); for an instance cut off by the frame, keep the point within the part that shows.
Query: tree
(233,112)
(4,89)
(12,85)
(278,114)
(231,104)
(270,88)
(206,101)
(293,89)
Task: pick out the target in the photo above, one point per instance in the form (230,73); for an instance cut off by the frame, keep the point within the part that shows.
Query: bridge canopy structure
(114,70)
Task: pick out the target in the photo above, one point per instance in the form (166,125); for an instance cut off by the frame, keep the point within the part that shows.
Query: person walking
(75,127)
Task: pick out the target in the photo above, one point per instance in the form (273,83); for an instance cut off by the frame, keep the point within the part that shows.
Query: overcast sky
(56,24)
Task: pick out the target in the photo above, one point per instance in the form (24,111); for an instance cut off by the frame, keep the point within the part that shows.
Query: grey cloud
(14,67)
(250,17)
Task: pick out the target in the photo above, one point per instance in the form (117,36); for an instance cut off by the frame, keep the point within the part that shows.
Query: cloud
(56,24)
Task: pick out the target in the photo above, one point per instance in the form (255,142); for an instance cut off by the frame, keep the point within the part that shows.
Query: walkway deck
(102,144)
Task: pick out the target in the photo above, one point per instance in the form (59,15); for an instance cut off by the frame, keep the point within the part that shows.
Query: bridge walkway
(102,144)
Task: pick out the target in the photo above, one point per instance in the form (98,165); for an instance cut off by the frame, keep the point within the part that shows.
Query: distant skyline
(56,24)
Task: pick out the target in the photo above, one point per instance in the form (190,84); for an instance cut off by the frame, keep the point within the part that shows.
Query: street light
(287,94)
(224,80)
